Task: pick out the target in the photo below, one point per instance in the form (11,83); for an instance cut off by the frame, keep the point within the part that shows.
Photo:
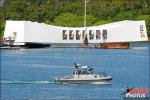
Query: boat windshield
(103,74)
(82,70)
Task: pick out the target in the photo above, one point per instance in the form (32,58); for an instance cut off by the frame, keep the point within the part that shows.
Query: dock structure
(112,35)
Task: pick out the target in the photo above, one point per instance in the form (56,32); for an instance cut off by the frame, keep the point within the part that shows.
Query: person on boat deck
(76,65)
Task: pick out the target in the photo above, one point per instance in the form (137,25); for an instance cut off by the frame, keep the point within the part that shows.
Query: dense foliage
(71,12)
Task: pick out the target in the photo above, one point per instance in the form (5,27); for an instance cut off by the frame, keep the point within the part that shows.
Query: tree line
(70,13)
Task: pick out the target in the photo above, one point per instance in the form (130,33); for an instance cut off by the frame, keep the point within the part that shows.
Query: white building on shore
(22,32)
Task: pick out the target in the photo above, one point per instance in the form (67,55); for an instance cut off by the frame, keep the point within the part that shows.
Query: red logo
(139,91)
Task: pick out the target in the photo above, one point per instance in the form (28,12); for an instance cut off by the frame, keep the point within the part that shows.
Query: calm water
(28,74)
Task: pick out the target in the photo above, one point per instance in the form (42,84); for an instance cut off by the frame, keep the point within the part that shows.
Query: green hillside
(71,12)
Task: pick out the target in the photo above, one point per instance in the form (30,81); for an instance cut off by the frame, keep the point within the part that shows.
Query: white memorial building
(26,32)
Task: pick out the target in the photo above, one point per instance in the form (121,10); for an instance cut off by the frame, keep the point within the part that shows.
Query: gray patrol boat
(84,74)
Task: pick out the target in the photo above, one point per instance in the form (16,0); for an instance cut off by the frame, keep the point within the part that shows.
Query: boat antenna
(75,65)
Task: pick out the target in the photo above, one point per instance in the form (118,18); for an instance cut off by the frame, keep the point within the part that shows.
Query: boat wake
(25,82)
(41,82)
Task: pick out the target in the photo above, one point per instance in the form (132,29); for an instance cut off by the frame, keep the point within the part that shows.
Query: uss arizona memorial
(26,32)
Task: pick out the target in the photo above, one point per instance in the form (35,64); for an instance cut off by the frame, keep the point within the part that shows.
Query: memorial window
(83,34)
(78,35)
(91,34)
(64,35)
(104,34)
(98,34)
(71,35)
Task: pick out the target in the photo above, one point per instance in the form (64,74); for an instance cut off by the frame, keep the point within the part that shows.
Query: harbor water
(28,73)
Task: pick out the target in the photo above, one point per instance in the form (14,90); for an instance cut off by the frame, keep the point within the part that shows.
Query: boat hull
(84,81)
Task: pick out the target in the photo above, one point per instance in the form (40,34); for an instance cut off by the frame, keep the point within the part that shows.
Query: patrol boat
(84,74)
